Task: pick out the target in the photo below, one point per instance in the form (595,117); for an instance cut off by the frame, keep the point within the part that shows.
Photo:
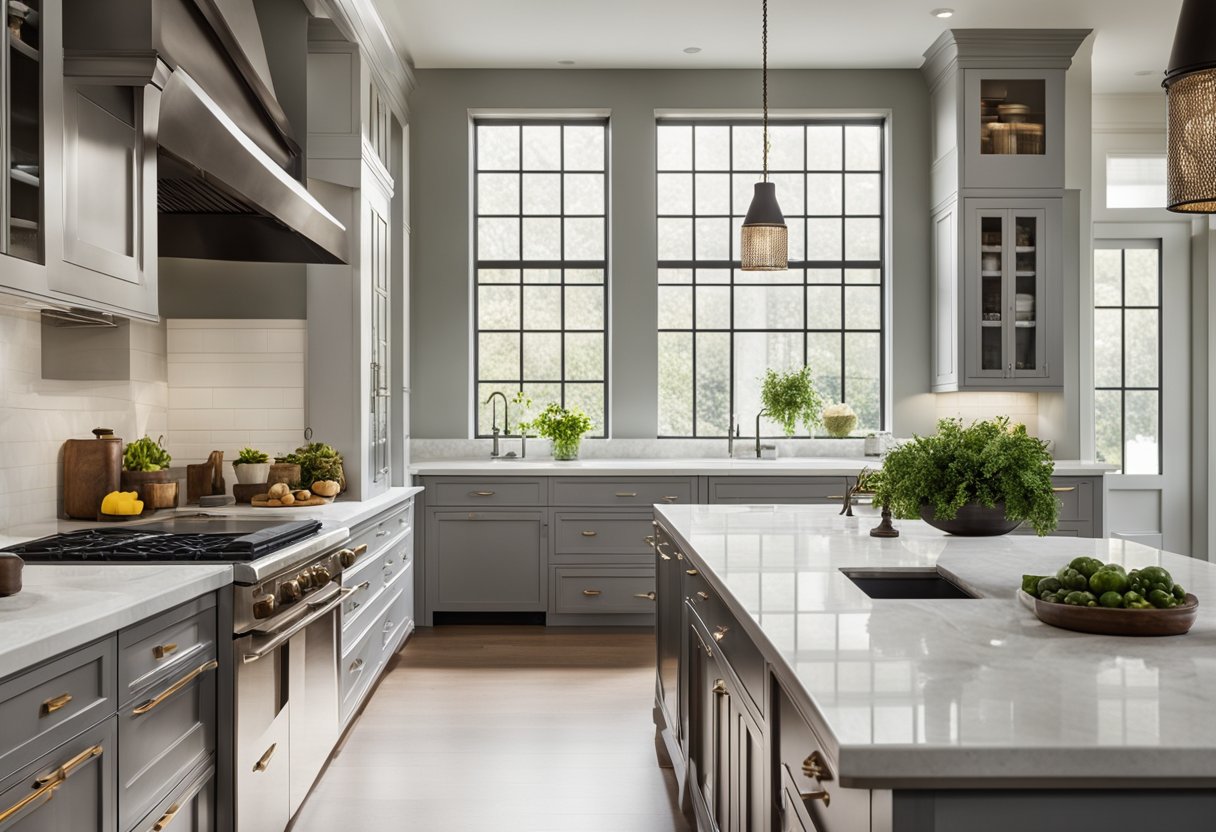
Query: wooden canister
(137,480)
(91,470)
(199,479)
(160,495)
(287,472)
(10,574)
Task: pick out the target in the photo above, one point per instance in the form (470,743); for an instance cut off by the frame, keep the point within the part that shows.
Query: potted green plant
(143,461)
(790,398)
(252,467)
(984,479)
(563,426)
(318,462)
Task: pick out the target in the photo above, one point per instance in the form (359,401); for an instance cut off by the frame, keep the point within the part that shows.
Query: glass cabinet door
(22,146)
(1027,340)
(993,241)
(1011,341)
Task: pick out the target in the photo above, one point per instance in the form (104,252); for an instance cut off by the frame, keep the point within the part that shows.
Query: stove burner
(135,545)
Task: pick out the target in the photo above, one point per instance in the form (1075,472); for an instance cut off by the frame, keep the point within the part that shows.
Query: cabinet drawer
(597,590)
(361,607)
(585,491)
(782,490)
(359,666)
(83,800)
(588,533)
(1076,505)
(486,493)
(164,736)
(379,569)
(800,755)
(166,646)
(191,808)
(383,529)
(44,707)
(733,643)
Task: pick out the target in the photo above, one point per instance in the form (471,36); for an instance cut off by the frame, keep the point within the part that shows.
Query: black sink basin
(887,584)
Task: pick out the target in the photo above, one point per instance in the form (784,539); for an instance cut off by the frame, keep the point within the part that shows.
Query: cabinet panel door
(486,560)
(84,800)
(190,809)
(1024,148)
(748,761)
(668,625)
(987,293)
(1030,306)
(701,720)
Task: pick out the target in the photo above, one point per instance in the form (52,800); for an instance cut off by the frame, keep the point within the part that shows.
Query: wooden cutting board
(261,501)
(91,470)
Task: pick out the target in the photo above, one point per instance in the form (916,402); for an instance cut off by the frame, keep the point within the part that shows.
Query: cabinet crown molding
(1001,49)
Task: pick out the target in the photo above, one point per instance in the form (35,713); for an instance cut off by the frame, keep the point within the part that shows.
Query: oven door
(286,711)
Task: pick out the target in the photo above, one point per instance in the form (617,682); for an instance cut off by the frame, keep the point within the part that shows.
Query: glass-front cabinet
(22,145)
(1013,133)
(1011,292)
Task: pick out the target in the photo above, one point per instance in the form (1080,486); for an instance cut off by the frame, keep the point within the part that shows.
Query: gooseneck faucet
(506,418)
(758,415)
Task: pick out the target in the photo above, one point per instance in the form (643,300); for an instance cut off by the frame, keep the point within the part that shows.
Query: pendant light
(1190,85)
(764,246)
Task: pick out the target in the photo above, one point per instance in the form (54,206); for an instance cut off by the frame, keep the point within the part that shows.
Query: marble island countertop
(688,467)
(960,692)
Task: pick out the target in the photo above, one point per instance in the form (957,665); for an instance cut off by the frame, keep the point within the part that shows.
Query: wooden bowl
(1105,621)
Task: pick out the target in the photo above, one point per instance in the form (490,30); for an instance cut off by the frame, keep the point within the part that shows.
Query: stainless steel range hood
(226,153)
(220,197)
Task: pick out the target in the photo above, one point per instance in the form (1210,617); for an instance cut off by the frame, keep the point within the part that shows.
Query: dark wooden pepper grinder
(10,574)
(885,529)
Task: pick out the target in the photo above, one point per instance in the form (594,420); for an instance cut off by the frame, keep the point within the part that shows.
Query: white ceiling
(1132,35)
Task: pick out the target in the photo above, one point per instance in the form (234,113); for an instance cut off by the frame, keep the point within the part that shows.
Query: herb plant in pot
(144,461)
(252,467)
(981,480)
(790,398)
(563,426)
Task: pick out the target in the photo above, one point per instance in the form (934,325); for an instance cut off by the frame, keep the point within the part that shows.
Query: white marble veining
(961,691)
(60,608)
(689,467)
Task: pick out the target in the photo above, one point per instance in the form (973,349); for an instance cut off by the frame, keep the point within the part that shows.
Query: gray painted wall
(223,289)
(440,192)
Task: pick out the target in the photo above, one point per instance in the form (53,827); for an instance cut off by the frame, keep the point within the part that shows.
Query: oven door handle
(320,610)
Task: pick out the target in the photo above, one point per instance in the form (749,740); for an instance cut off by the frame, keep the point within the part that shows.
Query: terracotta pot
(972,520)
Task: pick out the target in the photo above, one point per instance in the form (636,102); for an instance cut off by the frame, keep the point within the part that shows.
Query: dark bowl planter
(972,520)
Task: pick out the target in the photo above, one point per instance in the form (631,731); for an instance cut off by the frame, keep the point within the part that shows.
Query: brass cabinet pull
(664,557)
(359,550)
(144,707)
(356,665)
(649,540)
(720,632)
(53,704)
(704,596)
(1064,489)
(591,593)
(589,533)
(719,687)
(691,573)
(626,493)
(46,785)
(807,797)
(162,650)
(816,767)
(649,596)
(264,761)
(166,818)
(481,493)
(383,533)
(670,498)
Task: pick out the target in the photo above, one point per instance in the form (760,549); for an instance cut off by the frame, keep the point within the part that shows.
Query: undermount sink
(888,584)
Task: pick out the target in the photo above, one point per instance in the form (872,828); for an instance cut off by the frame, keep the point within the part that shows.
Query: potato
(273,502)
(325,488)
(278,490)
(303,495)
(287,499)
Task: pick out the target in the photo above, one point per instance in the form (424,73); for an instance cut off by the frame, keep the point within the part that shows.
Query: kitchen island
(786,695)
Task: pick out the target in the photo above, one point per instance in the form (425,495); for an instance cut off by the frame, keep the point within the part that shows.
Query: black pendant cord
(764,81)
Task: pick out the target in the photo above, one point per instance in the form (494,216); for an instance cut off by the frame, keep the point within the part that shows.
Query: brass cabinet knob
(720,632)
(691,573)
(719,688)
(816,767)
(347,558)
(290,592)
(649,596)
(704,596)
(321,576)
(265,606)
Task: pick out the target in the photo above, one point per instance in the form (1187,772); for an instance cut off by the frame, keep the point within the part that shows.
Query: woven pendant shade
(764,241)
(1190,84)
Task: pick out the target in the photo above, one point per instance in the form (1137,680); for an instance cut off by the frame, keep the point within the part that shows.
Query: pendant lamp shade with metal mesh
(1190,85)
(764,242)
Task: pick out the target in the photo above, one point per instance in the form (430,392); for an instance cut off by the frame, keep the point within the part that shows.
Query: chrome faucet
(758,415)
(506,419)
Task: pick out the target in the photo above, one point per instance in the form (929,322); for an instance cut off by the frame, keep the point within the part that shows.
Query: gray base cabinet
(487,560)
(118,735)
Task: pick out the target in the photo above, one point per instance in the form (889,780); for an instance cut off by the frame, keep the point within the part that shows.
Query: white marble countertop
(689,467)
(61,608)
(962,692)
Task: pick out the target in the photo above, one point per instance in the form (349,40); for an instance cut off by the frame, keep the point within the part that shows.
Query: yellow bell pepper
(122,503)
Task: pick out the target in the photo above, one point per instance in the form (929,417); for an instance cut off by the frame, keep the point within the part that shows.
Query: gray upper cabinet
(997,181)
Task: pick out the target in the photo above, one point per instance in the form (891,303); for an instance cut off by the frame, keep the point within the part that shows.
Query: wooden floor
(518,729)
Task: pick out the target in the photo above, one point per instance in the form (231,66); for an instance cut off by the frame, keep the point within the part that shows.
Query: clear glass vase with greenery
(790,398)
(563,426)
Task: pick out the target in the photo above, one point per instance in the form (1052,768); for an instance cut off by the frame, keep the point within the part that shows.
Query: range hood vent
(185,195)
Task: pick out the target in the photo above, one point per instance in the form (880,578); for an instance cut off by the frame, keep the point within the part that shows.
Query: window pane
(585,276)
(862,193)
(713,147)
(1108,426)
(823,307)
(1141,429)
(588,398)
(675,307)
(498,275)
(713,307)
(785,148)
(584,147)
(674,147)
(713,193)
(862,238)
(862,307)
(675,383)
(823,355)
(542,148)
(584,193)
(542,307)
(498,355)
(756,352)
(498,193)
(585,307)
(675,193)
(675,239)
(862,144)
(713,383)
(485,412)
(542,238)
(585,239)
(585,356)
(542,193)
(768,307)
(868,276)
(789,193)
(749,147)
(497,147)
(542,275)
(497,239)
(824,147)
(822,239)
(542,356)
(862,362)
(1141,276)
(1108,348)
(498,307)
(823,193)
(1108,277)
(713,239)
(1140,352)
(1135,181)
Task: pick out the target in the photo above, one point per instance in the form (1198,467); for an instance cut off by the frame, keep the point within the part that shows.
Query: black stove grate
(136,545)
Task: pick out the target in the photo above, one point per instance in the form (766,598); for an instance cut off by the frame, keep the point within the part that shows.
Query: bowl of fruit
(1089,596)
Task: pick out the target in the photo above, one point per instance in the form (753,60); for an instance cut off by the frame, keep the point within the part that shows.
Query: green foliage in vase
(987,463)
(251,456)
(145,455)
(559,424)
(790,398)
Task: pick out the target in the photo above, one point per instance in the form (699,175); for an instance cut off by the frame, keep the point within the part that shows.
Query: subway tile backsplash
(1019,407)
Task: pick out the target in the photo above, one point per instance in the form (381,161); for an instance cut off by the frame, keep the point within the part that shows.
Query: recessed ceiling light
(692,50)
(942,13)
(566,63)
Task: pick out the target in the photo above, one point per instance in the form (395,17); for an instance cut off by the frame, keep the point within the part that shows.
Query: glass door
(994,235)
(23,131)
(1027,318)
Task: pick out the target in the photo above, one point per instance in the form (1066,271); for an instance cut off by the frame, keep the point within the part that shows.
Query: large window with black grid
(540,272)
(720,328)
(1127,355)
